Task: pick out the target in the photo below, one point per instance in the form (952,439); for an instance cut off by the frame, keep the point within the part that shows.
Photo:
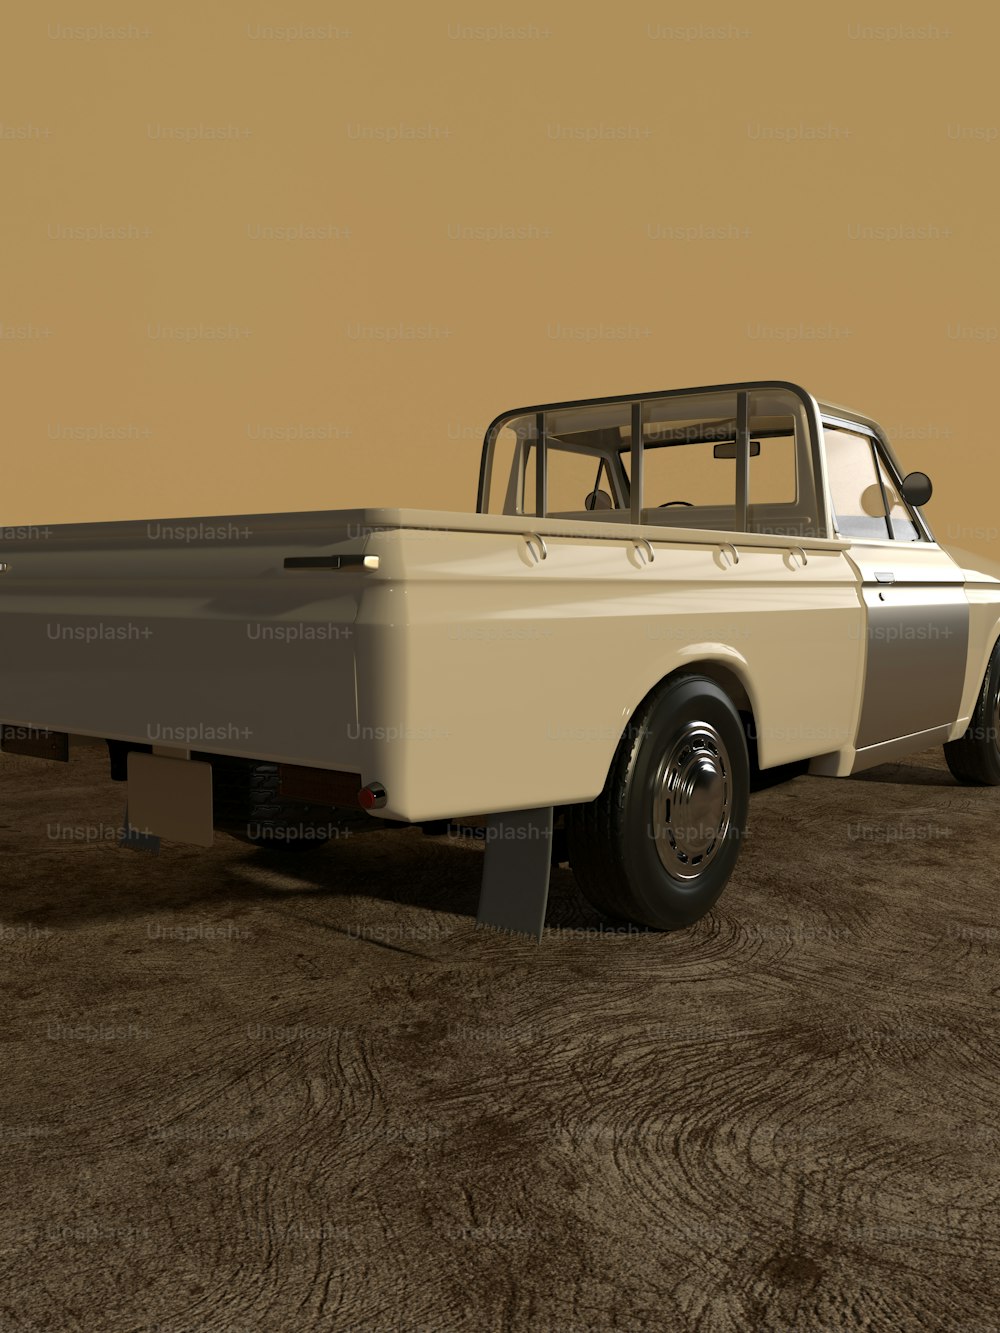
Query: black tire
(974,758)
(248,806)
(630,855)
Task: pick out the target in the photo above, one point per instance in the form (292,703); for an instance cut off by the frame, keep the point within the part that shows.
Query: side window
(904,529)
(855,493)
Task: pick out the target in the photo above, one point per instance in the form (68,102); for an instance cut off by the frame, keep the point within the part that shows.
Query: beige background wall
(681,197)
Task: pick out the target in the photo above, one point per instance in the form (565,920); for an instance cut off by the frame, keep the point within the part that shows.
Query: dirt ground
(250,1093)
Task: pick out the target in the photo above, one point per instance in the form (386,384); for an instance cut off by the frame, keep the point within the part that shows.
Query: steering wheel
(667,503)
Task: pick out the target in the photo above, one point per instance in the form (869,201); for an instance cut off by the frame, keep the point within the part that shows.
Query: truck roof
(825,406)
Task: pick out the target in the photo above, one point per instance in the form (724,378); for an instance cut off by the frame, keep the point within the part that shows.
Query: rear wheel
(659,844)
(975,757)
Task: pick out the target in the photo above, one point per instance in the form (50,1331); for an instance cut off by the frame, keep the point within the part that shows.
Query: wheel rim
(692,800)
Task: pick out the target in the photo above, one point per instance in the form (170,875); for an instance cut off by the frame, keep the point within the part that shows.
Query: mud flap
(516,867)
(171,797)
(135,840)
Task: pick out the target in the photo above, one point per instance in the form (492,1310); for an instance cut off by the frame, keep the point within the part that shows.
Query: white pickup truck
(658,596)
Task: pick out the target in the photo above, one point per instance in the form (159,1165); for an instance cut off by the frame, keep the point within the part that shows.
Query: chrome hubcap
(692,800)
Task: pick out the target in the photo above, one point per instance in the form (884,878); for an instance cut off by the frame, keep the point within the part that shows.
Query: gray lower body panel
(918,641)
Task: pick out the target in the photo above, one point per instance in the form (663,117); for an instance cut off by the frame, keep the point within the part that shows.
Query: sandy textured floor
(245,1093)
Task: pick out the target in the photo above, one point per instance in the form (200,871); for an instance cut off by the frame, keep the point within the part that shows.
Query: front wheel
(975,757)
(659,844)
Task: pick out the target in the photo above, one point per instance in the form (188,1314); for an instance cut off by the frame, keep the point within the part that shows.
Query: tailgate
(188,632)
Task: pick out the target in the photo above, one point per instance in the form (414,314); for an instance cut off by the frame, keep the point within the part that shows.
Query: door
(916,609)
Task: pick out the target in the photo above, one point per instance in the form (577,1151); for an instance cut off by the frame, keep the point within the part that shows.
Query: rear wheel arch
(729,680)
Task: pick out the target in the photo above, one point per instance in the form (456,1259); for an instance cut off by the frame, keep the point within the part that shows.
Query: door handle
(331,561)
(884,576)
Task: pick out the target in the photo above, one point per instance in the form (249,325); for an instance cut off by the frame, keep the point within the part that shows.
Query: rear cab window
(689,462)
